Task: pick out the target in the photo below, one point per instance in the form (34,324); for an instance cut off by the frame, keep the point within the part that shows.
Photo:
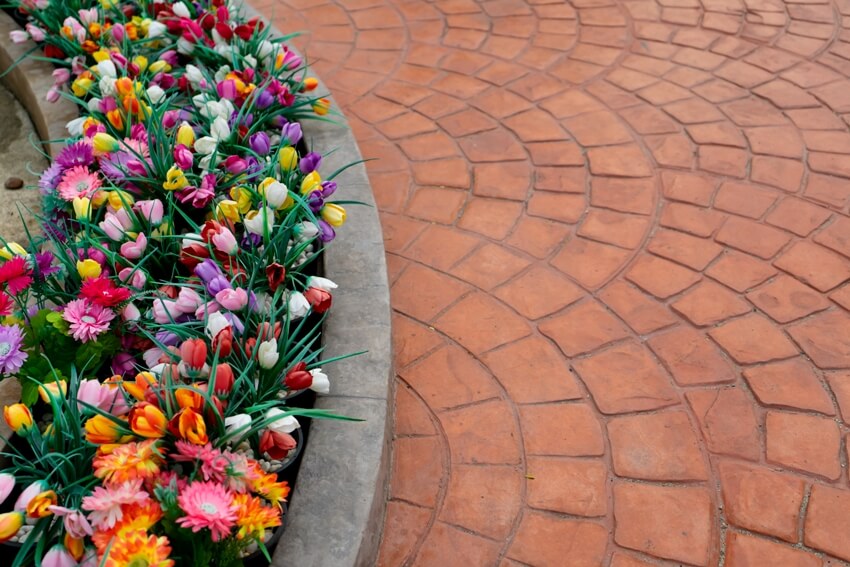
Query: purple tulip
(117,32)
(310,163)
(183,157)
(207,270)
(260,143)
(316,201)
(251,241)
(217,284)
(264,100)
(326,231)
(123,363)
(328,188)
(167,338)
(291,133)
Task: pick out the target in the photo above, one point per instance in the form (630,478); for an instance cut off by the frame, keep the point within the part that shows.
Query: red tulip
(277,445)
(319,299)
(276,275)
(193,352)
(298,378)
(222,379)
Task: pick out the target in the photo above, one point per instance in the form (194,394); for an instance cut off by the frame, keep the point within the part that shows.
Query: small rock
(14,183)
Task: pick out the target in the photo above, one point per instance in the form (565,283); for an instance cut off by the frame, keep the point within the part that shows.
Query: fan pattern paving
(618,243)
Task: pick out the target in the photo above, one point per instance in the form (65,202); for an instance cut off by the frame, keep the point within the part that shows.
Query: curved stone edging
(337,516)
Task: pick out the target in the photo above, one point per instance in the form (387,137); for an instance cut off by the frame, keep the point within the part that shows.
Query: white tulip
(185,47)
(220,129)
(180,10)
(267,354)
(265,49)
(261,222)
(237,422)
(155,94)
(106,68)
(321,283)
(107,86)
(251,61)
(216,322)
(75,126)
(306,230)
(94,105)
(156,29)
(206,145)
(286,424)
(194,76)
(321,383)
(276,194)
(298,305)
(222,72)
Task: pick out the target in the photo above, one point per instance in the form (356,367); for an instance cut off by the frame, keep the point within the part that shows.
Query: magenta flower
(207,505)
(78,182)
(75,155)
(87,319)
(11,356)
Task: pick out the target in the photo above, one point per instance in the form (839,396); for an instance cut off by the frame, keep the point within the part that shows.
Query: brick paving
(618,244)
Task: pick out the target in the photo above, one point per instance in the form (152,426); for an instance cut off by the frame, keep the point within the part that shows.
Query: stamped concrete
(617,234)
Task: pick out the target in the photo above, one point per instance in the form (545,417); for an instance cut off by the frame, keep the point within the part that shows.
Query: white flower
(106,68)
(194,76)
(155,94)
(224,50)
(206,145)
(267,354)
(306,230)
(321,283)
(220,129)
(185,47)
(205,163)
(156,29)
(251,61)
(190,238)
(222,73)
(276,194)
(320,384)
(265,49)
(75,126)
(180,10)
(216,322)
(238,421)
(107,86)
(94,105)
(157,369)
(260,222)
(298,305)
(286,424)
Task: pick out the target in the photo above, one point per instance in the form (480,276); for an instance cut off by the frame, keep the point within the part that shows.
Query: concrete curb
(29,81)
(338,505)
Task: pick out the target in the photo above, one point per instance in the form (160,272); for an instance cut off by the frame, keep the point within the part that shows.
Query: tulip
(7,484)
(321,384)
(275,193)
(321,283)
(319,299)
(225,242)
(30,492)
(10,249)
(185,135)
(234,165)
(58,556)
(220,129)
(193,352)
(183,157)
(205,145)
(18,418)
(134,250)
(155,94)
(53,390)
(74,545)
(276,445)
(298,305)
(222,379)
(333,214)
(240,422)
(134,277)
(288,158)
(260,143)
(311,182)
(267,354)
(147,420)
(18,36)
(104,143)
(321,106)
(165,310)
(260,222)
(310,84)
(82,208)
(223,342)
(189,425)
(175,179)
(228,209)
(93,394)
(101,430)
(217,323)
(232,299)
(10,524)
(151,211)
(187,398)
(310,163)
(188,300)
(39,506)
(291,134)
(298,378)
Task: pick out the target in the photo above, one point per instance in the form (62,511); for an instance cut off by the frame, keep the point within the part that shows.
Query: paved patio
(618,240)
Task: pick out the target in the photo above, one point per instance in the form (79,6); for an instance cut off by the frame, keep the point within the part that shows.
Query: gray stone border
(338,505)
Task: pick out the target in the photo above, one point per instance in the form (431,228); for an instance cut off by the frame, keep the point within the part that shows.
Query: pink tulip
(137,278)
(170,118)
(224,241)
(232,299)
(227,89)
(116,224)
(52,94)
(204,310)
(58,556)
(36,32)
(170,57)
(61,76)
(134,250)
(165,310)
(183,157)
(7,483)
(188,300)
(75,521)
(152,210)
(18,36)
(117,31)
(92,393)
(28,494)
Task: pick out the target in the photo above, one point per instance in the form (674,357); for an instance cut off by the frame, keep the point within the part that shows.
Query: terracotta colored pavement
(618,240)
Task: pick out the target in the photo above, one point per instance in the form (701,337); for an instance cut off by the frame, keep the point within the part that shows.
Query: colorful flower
(11,355)
(102,430)
(87,319)
(102,291)
(16,275)
(253,518)
(39,506)
(139,548)
(207,505)
(18,417)
(10,523)
(76,154)
(128,462)
(139,516)
(105,503)
(148,421)
(78,182)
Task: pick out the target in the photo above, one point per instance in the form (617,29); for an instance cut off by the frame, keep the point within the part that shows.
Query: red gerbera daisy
(16,275)
(5,304)
(102,291)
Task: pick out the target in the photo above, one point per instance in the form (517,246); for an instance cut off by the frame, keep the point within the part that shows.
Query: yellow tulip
(99,198)
(288,158)
(100,55)
(104,143)
(120,199)
(88,268)
(108,4)
(148,421)
(10,523)
(39,506)
(142,62)
(243,199)
(101,430)
(333,214)
(312,182)
(228,209)
(52,390)
(310,83)
(18,417)
(124,86)
(81,86)
(321,106)
(175,179)
(10,249)
(82,208)
(185,135)
(160,66)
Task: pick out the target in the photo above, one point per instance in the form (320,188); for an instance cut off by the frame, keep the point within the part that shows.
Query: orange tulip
(18,417)
(75,546)
(189,425)
(139,388)
(39,506)
(187,398)
(10,523)
(54,390)
(101,430)
(148,421)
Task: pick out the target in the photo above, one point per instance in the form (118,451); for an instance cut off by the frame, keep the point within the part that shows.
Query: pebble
(14,183)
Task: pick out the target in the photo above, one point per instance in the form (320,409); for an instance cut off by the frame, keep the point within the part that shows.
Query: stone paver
(619,247)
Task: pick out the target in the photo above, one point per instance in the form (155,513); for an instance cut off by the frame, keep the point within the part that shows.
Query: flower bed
(175,268)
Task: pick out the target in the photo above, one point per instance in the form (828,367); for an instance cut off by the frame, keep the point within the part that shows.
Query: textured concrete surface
(617,236)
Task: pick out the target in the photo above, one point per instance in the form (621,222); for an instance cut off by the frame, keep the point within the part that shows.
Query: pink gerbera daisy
(16,274)
(207,505)
(78,182)
(87,319)
(213,464)
(105,504)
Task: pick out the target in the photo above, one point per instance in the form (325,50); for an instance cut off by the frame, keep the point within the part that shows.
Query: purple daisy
(50,178)
(115,166)
(11,356)
(78,153)
(44,261)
